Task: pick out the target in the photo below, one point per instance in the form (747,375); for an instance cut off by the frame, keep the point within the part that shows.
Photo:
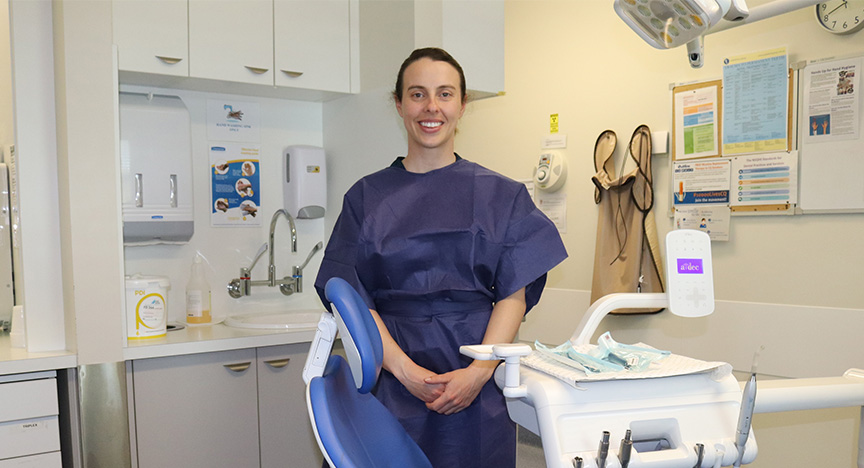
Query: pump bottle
(197,294)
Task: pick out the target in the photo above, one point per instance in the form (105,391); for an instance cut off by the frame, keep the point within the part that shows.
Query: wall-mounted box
(156,169)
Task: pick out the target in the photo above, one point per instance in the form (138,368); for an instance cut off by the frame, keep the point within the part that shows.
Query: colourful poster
(756,103)
(701,182)
(235,184)
(696,115)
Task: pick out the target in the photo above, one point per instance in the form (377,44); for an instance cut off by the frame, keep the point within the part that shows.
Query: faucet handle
(309,257)
(245,271)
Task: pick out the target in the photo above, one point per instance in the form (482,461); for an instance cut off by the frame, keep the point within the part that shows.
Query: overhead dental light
(666,24)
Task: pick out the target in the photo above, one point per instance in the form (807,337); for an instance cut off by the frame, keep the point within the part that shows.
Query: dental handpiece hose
(745,418)
(603,450)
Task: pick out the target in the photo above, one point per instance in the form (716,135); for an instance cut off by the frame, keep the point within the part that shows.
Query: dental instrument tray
(573,373)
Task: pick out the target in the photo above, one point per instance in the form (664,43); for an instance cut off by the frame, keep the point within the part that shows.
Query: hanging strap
(604,166)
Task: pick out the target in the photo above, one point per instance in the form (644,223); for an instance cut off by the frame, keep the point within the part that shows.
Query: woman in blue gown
(445,253)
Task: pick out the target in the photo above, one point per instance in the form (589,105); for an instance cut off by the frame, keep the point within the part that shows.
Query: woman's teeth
(430,124)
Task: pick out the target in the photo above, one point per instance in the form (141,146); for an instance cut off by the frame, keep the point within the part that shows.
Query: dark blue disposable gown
(431,253)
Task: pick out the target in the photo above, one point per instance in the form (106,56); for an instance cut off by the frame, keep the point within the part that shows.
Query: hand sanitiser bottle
(197,294)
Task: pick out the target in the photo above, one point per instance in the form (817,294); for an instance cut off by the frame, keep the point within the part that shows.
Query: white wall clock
(841,16)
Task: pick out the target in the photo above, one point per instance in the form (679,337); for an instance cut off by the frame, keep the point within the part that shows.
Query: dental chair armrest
(510,353)
(319,350)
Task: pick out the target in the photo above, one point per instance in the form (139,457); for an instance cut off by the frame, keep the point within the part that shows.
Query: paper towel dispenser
(156,169)
(305,181)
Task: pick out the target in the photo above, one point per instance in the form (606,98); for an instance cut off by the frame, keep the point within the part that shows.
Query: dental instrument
(745,416)
(624,450)
(577,462)
(603,450)
(700,454)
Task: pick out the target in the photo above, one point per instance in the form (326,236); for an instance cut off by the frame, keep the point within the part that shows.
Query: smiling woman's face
(431,105)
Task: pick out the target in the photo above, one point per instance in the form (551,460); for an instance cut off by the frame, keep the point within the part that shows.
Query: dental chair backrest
(352,427)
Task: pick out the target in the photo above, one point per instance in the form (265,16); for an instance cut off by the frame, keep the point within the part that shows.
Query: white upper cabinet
(151,36)
(231,40)
(312,44)
(472,31)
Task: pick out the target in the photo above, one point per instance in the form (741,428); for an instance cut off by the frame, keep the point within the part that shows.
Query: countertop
(216,337)
(19,361)
(189,340)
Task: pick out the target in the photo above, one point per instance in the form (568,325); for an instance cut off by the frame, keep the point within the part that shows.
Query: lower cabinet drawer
(28,419)
(44,460)
(29,436)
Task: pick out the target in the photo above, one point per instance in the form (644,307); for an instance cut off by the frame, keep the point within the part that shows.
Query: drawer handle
(239,367)
(256,70)
(292,74)
(278,363)
(169,60)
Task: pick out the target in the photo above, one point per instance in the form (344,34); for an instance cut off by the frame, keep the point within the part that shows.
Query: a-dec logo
(690,266)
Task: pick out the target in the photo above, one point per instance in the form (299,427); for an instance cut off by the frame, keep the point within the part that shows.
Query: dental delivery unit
(676,413)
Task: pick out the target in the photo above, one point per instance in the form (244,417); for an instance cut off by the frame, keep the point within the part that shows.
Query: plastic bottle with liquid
(197,294)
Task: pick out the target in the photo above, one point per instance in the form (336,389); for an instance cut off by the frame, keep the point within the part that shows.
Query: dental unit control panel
(686,418)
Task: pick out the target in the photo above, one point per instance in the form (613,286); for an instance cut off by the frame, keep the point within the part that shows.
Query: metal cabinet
(243,408)
(197,410)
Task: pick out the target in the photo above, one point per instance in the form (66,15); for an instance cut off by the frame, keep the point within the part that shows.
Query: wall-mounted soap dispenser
(156,169)
(304,176)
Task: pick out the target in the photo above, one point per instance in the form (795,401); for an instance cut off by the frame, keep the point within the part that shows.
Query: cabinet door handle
(172,195)
(169,60)
(256,70)
(292,74)
(278,363)
(139,190)
(238,367)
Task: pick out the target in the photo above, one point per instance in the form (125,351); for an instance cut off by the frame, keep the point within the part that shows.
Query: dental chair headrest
(359,333)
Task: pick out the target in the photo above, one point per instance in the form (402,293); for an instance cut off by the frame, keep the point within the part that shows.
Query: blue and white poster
(235,184)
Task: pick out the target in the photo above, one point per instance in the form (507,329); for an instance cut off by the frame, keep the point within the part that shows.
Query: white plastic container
(146,306)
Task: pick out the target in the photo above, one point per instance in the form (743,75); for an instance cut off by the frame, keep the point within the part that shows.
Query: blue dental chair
(353,429)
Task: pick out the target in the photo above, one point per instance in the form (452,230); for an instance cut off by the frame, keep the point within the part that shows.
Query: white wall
(227,249)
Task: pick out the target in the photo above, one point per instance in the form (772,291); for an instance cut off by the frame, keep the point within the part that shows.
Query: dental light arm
(668,24)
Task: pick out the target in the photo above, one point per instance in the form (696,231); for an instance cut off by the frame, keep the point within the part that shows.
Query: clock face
(841,16)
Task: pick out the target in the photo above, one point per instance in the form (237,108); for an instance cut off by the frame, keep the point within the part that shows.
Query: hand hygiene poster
(831,101)
(235,184)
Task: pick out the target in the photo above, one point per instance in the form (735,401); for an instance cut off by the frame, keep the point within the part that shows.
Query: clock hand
(838,7)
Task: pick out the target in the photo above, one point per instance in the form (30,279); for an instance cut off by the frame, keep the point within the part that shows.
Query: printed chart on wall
(235,184)
(696,116)
(832,153)
(756,103)
(701,198)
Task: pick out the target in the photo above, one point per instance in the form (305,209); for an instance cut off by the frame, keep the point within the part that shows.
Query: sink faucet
(242,286)
(271,276)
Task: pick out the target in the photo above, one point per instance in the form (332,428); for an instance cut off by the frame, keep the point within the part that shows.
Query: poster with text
(229,120)
(765,179)
(701,182)
(713,220)
(696,126)
(831,102)
(235,184)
